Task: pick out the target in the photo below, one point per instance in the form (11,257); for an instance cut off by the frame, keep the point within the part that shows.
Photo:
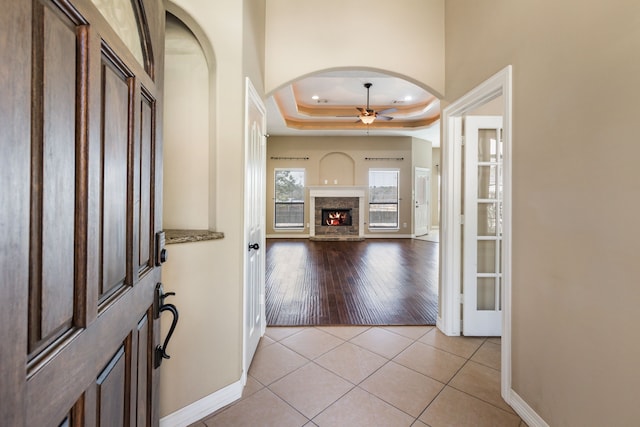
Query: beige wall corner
(205,355)
(575,174)
(208,276)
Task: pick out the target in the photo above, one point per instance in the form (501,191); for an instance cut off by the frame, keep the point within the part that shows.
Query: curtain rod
(289,158)
(384,158)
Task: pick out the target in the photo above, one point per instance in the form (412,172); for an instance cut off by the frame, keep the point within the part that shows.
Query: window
(383,198)
(289,198)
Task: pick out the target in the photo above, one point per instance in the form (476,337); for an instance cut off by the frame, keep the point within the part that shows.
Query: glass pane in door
(489,148)
(487,255)
(487,293)
(489,182)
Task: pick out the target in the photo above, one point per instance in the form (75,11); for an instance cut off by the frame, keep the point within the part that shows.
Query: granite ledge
(186,236)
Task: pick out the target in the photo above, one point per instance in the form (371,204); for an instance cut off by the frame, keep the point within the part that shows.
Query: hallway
(370,376)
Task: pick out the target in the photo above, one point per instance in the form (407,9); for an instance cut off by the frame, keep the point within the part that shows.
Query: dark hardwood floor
(373,282)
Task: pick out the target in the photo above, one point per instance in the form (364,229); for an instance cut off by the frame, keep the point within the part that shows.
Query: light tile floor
(370,376)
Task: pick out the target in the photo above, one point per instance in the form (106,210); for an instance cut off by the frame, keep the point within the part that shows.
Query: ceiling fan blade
(388,110)
(386,118)
(362,111)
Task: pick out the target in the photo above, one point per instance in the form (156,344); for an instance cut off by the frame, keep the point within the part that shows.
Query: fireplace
(336,217)
(336,213)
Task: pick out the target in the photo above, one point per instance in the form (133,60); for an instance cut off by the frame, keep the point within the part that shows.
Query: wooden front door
(80,204)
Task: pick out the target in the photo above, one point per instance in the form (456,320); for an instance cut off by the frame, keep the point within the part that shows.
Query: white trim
(388,236)
(205,406)
(366,236)
(288,236)
(525,411)
(450,233)
(507,221)
(449,322)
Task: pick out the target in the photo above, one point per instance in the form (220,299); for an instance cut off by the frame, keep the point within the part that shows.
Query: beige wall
(207,277)
(186,130)
(304,37)
(318,168)
(576,184)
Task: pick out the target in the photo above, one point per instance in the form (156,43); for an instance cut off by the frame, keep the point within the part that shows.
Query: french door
(482,227)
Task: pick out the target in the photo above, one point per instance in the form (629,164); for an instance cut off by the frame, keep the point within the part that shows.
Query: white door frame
(252,99)
(450,228)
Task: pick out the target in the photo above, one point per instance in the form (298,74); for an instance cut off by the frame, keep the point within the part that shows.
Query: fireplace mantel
(337,192)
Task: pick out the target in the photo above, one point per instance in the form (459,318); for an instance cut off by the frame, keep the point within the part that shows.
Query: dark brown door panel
(80,168)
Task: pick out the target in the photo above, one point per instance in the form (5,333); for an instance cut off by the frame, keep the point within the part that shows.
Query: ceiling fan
(368,116)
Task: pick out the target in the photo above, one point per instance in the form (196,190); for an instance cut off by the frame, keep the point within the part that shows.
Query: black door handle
(159,307)
(254,246)
(161,350)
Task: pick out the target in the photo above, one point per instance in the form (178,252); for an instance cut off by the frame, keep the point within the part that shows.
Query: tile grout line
(450,379)
(386,363)
(463,391)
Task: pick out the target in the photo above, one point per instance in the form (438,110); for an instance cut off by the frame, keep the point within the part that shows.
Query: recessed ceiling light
(408,98)
(315,97)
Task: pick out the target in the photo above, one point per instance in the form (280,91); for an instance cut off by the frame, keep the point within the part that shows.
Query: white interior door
(482,229)
(422,191)
(255,209)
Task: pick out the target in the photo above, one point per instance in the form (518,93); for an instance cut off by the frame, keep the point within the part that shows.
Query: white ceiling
(293,111)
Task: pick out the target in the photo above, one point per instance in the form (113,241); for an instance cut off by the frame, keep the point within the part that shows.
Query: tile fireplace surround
(336,197)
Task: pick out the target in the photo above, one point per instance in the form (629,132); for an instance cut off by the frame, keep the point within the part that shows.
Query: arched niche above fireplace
(337,168)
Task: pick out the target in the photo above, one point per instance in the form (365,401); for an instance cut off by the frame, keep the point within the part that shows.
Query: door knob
(254,246)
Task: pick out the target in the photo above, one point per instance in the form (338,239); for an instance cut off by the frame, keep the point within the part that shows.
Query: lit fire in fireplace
(336,218)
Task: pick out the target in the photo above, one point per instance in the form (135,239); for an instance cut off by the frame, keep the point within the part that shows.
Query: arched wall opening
(189,125)
(427,86)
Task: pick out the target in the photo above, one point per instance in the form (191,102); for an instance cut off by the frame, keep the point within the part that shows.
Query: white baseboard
(525,411)
(387,236)
(366,236)
(200,408)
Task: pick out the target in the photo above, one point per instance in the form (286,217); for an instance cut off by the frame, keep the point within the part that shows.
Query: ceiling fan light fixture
(367,120)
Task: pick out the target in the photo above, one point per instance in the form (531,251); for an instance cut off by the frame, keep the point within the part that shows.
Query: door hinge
(462,140)
(461,219)
(461,299)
